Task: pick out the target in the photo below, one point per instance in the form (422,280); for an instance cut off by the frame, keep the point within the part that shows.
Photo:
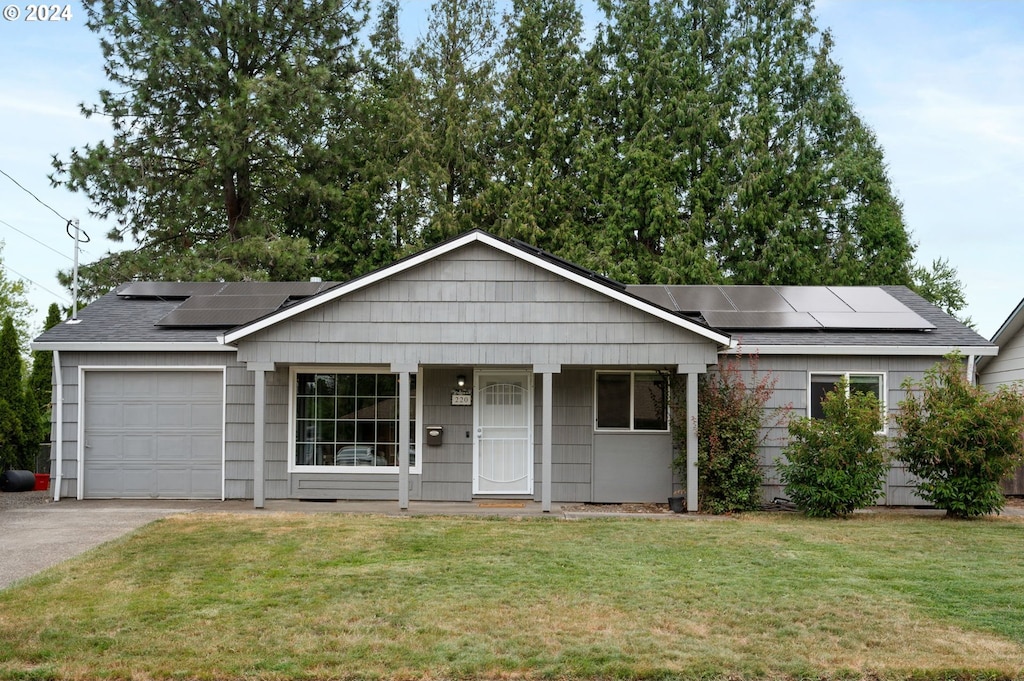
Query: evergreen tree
(12,407)
(455,63)
(813,202)
(541,96)
(40,379)
(215,108)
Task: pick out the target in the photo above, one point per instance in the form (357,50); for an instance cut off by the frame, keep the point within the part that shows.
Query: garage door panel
(176,415)
(138,415)
(135,448)
(108,415)
(153,434)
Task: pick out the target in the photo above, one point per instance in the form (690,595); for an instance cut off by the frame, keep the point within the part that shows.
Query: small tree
(12,433)
(836,464)
(960,440)
(732,423)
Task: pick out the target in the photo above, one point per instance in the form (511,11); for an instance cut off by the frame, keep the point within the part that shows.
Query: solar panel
(868,299)
(724,319)
(169,289)
(757,299)
(904,321)
(654,294)
(813,299)
(700,298)
(219,318)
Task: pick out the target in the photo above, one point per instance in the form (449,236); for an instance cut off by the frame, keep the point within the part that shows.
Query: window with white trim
(824,383)
(631,400)
(350,420)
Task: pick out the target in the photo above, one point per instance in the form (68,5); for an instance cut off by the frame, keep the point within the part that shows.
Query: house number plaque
(462,398)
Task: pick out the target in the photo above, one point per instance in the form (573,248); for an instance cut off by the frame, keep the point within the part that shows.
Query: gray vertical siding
(791,373)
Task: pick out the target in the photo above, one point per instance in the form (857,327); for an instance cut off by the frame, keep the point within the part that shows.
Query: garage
(153,434)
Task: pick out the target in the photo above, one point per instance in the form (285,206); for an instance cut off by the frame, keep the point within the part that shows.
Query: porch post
(259,439)
(691,442)
(404,411)
(545,433)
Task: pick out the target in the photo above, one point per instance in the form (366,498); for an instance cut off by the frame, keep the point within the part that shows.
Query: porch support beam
(404,414)
(259,439)
(691,441)
(547,371)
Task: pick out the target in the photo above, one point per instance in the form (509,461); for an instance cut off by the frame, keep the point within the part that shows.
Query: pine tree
(215,108)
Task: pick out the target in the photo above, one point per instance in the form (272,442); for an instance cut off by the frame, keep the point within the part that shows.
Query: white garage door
(153,434)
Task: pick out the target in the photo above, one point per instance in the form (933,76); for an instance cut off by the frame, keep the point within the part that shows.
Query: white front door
(503,448)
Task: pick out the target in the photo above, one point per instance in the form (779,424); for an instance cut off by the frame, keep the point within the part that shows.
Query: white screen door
(503,449)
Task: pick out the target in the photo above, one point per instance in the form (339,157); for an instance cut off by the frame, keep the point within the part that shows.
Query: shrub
(960,440)
(836,464)
(731,426)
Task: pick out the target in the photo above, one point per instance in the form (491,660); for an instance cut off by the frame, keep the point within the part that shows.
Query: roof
(516,249)
(135,316)
(769,319)
(916,327)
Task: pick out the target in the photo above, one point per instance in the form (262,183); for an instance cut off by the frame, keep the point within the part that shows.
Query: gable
(477,304)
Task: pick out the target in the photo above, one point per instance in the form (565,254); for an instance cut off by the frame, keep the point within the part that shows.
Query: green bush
(960,440)
(730,429)
(836,464)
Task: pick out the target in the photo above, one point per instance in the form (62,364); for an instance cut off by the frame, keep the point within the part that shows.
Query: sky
(940,83)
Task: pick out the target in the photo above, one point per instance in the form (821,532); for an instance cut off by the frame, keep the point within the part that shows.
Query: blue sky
(941,84)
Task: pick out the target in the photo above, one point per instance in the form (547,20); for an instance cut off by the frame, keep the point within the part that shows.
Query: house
(479,368)
(1007,368)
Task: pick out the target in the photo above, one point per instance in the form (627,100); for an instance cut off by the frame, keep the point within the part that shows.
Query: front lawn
(326,596)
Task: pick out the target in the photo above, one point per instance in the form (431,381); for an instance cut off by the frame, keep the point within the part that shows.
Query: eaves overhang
(129,346)
(870,350)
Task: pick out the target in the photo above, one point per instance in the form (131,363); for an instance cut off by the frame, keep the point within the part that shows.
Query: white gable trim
(449,246)
(870,350)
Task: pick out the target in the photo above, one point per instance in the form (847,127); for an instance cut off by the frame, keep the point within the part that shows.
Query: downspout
(970,370)
(58,415)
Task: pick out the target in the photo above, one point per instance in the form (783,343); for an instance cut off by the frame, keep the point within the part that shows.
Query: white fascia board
(1011,326)
(149,346)
(875,350)
(455,244)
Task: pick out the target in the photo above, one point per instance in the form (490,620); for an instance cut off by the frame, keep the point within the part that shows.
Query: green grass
(337,596)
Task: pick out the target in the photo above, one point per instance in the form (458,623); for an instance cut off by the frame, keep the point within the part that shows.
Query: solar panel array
(221,305)
(788,307)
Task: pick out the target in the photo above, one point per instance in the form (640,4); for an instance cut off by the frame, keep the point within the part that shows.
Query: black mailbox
(435,436)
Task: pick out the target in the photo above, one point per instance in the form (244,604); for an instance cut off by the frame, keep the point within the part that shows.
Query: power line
(34,283)
(34,196)
(25,234)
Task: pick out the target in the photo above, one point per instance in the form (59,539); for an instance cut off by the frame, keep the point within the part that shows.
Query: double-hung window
(632,400)
(824,383)
(350,420)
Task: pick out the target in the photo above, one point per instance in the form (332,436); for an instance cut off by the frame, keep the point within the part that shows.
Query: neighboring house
(1006,369)
(479,368)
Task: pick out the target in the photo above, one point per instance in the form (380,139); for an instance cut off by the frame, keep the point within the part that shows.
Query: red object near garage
(42,482)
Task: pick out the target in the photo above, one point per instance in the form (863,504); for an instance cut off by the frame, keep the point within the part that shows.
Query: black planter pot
(677,504)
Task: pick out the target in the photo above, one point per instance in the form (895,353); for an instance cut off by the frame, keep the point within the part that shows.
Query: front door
(503,448)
